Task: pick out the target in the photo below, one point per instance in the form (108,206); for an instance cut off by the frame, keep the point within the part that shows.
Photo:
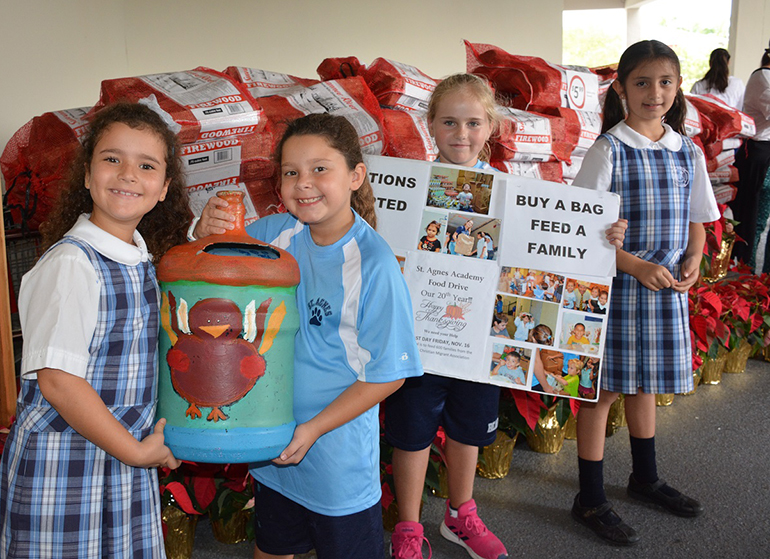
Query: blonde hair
(577,363)
(479,88)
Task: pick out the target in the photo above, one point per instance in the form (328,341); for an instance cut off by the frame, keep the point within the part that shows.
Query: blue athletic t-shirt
(356,323)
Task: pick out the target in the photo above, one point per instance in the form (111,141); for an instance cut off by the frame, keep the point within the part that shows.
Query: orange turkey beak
(215,331)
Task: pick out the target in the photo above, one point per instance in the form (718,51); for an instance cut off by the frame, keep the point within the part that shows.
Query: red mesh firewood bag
(530,136)
(339,68)
(349,97)
(36,164)
(532,83)
(399,85)
(265,196)
(252,155)
(693,125)
(722,175)
(549,171)
(720,121)
(408,136)
(200,104)
(261,83)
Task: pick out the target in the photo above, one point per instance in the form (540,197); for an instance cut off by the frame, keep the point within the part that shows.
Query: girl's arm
(213,221)
(84,410)
(540,374)
(560,379)
(355,400)
(692,257)
(652,276)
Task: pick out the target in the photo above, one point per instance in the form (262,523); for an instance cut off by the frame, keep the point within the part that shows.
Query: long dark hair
(341,136)
(635,55)
(718,74)
(162,227)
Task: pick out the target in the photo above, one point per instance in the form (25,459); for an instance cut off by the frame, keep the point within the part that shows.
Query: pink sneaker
(469,531)
(406,541)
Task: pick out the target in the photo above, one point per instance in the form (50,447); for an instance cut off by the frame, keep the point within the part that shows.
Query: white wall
(750,31)
(55,53)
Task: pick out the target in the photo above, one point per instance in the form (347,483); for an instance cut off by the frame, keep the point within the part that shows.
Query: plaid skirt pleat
(648,340)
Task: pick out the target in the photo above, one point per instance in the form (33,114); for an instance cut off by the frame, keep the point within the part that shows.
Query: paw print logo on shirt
(318,308)
(316,317)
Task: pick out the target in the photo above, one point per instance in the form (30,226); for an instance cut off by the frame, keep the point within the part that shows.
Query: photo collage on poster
(456,218)
(548,332)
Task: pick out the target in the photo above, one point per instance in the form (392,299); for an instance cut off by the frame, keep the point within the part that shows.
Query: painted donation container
(226,349)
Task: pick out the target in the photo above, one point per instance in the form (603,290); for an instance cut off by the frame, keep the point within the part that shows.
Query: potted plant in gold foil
(232,508)
(182,503)
(495,459)
(709,332)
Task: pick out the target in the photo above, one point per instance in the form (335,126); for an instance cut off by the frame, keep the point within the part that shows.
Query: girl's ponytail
(677,113)
(613,112)
(362,201)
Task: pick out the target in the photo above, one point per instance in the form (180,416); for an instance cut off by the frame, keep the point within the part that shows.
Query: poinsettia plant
(708,327)
(531,406)
(746,299)
(233,492)
(190,487)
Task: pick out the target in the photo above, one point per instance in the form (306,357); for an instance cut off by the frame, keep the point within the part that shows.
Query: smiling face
(126,178)
(316,184)
(603,298)
(579,331)
(649,90)
(461,127)
(512,361)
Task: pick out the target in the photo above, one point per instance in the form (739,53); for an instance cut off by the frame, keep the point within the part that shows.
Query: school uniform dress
(663,187)
(90,308)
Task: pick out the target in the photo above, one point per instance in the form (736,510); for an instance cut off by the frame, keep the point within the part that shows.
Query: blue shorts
(283,527)
(467,411)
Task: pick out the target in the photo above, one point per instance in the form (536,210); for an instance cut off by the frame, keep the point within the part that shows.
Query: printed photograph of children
(472,236)
(584,296)
(460,190)
(535,321)
(556,372)
(433,223)
(580,332)
(509,365)
(524,320)
(588,377)
(543,286)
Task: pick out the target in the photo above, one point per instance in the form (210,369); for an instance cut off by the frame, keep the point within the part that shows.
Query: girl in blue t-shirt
(354,347)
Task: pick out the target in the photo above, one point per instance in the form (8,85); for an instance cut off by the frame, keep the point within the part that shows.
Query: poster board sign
(491,305)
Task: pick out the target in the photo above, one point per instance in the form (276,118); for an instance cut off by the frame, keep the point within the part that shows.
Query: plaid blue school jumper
(61,496)
(648,333)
